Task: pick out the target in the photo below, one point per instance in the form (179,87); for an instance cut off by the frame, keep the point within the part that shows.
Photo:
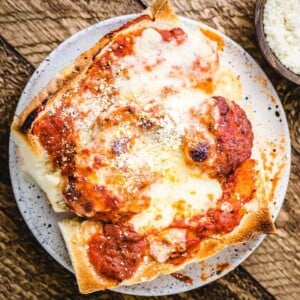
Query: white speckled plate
(269,124)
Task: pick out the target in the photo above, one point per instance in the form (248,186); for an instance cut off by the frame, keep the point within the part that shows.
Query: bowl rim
(265,48)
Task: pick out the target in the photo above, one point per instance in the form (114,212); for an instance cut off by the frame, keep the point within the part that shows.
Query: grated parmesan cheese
(282,29)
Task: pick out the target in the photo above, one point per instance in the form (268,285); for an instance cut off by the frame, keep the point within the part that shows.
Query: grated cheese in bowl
(282,29)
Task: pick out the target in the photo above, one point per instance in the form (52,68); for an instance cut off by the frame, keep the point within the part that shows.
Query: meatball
(234,136)
(220,138)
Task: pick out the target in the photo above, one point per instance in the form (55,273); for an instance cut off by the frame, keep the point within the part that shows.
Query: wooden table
(29,31)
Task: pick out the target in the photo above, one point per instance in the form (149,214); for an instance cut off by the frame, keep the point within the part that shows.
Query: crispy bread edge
(63,81)
(254,223)
(162,11)
(89,281)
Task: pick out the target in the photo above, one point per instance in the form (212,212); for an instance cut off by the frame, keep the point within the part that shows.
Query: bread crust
(252,224)
(256,221)
(68,76)
(159,11)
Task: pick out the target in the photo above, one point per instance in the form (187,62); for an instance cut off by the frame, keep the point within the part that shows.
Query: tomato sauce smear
(117,252)
(176,34)
(56,134)
(238,189)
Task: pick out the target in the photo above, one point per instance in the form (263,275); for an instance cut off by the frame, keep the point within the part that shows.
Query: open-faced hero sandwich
(144,140)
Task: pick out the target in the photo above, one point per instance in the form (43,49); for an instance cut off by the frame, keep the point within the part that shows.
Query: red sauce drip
(166,35)
(202,65)
(237,190)
(181,277)
(222,267)
(123,46)
(55,133)
(99,76)
(241,185)
(117,253)
(176,34)
(179,35)
(222,221)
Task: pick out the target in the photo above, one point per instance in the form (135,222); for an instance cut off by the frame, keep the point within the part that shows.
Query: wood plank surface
(34,28)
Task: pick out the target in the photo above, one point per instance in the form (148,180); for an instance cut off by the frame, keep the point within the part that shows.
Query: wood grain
(9,87)
(35,28)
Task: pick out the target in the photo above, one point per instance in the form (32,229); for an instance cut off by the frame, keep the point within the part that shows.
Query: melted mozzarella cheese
(181,193)
(179,183)
(49,180)
(179,190)
(170,63)
(227,84)
(171,240)
(158,74)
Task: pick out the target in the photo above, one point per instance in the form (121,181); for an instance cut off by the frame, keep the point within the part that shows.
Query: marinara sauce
(117,252)
(238,189)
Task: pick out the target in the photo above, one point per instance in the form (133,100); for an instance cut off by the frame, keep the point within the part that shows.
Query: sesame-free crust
(76,232)
(257,220)
(36,161)
(253,223)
